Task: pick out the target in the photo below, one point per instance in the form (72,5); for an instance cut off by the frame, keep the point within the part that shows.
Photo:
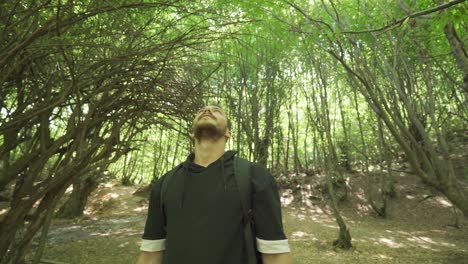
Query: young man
(199,219)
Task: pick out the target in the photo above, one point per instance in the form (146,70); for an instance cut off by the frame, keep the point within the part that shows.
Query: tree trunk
(330,161)
(306,149)
(76,203)
(286,156)
(459,52)
(344,237)
(388,181)
(344,145)
(292,128)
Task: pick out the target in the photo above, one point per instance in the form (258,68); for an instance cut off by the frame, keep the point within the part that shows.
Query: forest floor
(419,227)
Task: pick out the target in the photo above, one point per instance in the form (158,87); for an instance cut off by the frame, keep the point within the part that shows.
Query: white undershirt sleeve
(153,245)
(273,246)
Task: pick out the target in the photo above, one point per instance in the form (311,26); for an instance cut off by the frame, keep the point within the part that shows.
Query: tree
(376,71)
(76,92)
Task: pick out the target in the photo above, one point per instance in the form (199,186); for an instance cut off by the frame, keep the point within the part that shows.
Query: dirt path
(413,233)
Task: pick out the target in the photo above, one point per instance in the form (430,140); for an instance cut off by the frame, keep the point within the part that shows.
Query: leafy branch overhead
(98,91)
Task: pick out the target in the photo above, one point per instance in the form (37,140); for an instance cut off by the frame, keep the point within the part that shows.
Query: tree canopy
(93,90)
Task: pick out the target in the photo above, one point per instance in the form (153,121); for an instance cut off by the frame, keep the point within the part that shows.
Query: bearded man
(195,213)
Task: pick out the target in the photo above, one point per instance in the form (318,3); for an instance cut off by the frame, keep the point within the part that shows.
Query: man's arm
(153,242)
(271,241)
(281,258)
(147,257)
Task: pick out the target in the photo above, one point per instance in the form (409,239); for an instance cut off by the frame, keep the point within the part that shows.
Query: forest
(358,108)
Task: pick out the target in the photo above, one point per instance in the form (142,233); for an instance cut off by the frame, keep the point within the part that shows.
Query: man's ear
(228,133)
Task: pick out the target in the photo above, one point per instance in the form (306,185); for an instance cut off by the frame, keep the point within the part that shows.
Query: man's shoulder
(260,177)
(171,172)
(253,165)
(156,183)
(175,169)
(256,169)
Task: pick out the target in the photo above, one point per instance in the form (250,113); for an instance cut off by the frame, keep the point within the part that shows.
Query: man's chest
(202,195)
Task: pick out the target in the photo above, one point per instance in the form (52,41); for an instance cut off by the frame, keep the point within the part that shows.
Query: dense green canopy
(93,90)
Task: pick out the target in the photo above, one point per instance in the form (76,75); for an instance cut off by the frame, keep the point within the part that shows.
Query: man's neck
(208,151)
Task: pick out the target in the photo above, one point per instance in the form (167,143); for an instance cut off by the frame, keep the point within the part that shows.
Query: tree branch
(406,18)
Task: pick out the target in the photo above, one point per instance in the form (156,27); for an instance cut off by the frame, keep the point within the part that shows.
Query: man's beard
(208,131)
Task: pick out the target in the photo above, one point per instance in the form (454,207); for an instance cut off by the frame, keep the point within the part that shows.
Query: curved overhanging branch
(408,17)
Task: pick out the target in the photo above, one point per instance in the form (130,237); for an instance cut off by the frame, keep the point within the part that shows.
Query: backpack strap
(243,180)
(164,184)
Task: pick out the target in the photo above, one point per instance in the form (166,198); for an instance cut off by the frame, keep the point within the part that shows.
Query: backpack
(243,177)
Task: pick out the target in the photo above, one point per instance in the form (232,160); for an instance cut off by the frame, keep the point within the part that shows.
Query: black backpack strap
(243,180)
(164,185)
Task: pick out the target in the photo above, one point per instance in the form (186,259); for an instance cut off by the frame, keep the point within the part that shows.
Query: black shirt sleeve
(266,205)
(154,227)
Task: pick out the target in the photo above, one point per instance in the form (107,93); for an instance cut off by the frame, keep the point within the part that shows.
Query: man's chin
(207,132)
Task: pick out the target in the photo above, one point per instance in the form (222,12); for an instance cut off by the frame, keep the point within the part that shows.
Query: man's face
(210,122)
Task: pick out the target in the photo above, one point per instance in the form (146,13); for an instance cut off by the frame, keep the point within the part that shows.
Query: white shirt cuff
(272,246)
(153,245)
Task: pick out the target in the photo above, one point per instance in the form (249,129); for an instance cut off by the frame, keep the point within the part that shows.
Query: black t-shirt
(202,211)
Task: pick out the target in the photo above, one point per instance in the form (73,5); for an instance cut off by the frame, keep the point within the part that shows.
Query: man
(198,218)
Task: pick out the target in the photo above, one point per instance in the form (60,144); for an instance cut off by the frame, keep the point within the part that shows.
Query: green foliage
(270,54)
(94,86)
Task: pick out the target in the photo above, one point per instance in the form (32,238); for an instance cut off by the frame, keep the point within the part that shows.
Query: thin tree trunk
(459,52)
(344,237)
(44,232)
(345,156)
(329,162)
(306,149)
(286,156)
